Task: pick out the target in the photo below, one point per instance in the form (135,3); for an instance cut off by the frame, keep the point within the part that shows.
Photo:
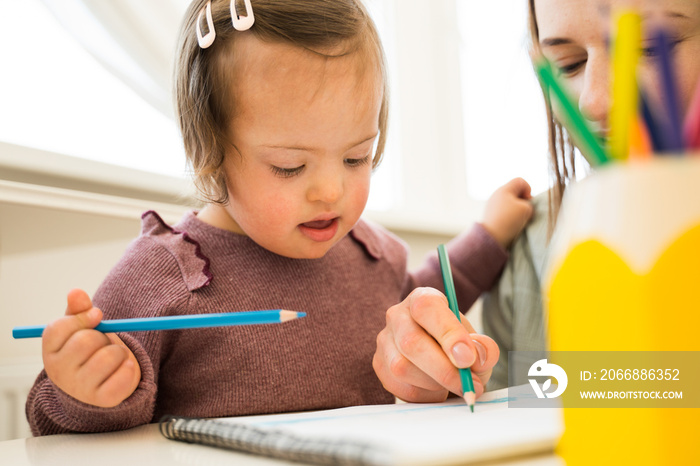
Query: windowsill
(409,222)
(31,166)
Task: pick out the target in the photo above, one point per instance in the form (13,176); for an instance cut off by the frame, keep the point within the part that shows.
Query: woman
(573,35)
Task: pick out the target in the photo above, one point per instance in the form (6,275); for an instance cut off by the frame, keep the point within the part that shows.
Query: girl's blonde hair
(202,92)
(561,147)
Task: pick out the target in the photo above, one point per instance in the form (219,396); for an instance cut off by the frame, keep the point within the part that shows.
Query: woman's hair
(203,93)
(561,147)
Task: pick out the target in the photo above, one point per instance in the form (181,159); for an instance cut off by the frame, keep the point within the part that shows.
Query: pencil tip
(286,315)
(470,398)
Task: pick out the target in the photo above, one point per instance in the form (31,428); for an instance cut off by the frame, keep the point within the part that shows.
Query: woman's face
(573,35)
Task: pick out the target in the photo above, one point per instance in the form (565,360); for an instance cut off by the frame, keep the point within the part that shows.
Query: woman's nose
(594,101)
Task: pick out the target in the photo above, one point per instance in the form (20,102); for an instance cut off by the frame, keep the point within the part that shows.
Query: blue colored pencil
(464,374)
(177,322)
(670,96)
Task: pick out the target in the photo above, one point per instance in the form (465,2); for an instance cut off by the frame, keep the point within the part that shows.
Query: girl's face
(573,35)
(303,134)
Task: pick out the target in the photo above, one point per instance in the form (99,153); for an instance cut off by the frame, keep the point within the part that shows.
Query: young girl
(280,123)
(572,35)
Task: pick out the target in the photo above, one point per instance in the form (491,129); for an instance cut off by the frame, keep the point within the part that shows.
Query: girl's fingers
(488,353)
(78,301)
(422,345)
(101,365)
(136,373)
(92,367)
(82,345)
(62,366)
(429,310)
(478,385)
(407,372)
(413,394)
(519,187)
(396,384)
(423,352)
(400,368)
(118,387)
(482,369)
(58,332)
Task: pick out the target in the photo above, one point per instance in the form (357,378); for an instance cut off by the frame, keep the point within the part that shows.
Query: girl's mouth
(319,224)
(320,230)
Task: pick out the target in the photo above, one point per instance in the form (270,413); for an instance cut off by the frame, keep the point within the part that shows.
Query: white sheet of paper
(436,433)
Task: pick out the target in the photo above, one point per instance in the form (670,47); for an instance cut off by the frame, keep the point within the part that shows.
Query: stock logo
(542,368)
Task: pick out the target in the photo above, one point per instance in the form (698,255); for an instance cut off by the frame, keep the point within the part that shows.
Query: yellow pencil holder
(624,275)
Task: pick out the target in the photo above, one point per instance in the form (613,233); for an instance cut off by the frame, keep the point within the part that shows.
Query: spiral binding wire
(272,443)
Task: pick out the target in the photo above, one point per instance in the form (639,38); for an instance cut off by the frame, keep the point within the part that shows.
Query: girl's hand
(90,366)
(508,210)
(422,345)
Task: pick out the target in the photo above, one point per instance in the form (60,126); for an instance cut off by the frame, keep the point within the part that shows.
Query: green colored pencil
(594,153)
(464,374)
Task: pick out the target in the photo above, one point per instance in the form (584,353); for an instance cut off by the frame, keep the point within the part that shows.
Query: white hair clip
(206,41)
(242,23)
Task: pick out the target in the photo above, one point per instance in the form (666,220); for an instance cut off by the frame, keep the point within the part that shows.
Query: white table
(145,445)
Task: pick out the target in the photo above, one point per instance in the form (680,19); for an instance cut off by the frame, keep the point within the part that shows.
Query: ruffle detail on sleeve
(193,264)
(366,235)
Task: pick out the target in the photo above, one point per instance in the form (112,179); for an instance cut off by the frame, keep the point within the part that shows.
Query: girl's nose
(327,187)
(594,101)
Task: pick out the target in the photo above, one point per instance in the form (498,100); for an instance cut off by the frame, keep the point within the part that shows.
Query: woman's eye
(650,52)
(653,51)
(358,162)
(286,172)
(571,68)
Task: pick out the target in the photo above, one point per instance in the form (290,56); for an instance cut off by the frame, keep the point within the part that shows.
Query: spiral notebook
(383,435)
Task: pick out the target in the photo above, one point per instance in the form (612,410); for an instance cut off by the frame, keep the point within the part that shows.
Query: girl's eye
(358,162)
(286,172)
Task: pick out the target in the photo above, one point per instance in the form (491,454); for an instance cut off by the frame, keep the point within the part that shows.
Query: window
(56,97)
(385,189)
(467,111)
(505,129)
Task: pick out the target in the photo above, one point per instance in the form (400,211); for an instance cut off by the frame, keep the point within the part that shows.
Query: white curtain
(134,39)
